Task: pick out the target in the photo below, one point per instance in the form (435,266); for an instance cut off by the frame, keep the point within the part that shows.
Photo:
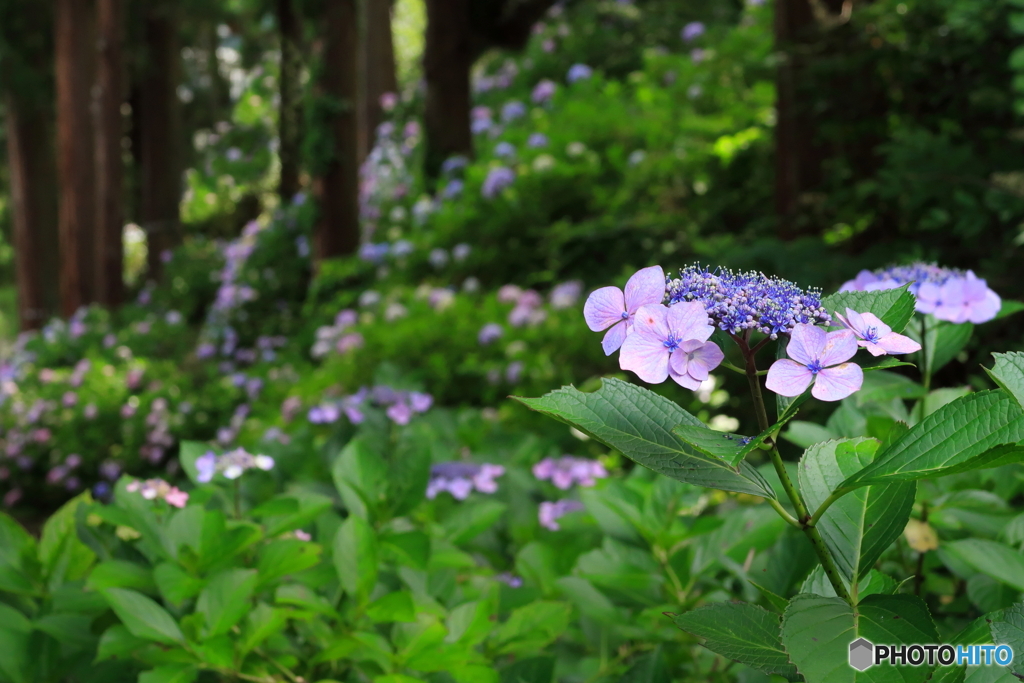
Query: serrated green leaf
(732,448)
(777,602)
(355,557)
(895,307)
(286,556)
(170,673)
(143,617)
(175,584)
(817,632)
(858,527)
(225,600)
(874,583)
(361,477)
(1008,373)
(991,558)
(639,424)
(742,632)
(1009,629)
(972,432)
(64,557)
(531,627)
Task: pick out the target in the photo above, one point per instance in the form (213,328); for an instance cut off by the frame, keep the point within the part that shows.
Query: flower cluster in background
(462,478)
(954,295)
(231,465)
(158,489)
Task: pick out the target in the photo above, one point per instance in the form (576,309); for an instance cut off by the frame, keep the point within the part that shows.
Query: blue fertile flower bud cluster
(737,302)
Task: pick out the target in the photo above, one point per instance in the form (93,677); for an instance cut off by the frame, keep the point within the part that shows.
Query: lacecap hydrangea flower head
(663,327)
(956,296)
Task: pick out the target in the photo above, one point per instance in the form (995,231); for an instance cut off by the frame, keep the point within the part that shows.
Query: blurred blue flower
(579,72)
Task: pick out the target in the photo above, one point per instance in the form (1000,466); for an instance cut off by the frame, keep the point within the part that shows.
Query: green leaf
(471,519)
(895,307)
(175,584)
(777,602)
(817,633)
(361,477)
(874,583)
(355,557)
(742,632)
(15,653)
(531,628)
(225,600)
(143,617)
(858,527)
(1008,373)
(1009,308)
(588,600)
(976,431)
(943,341)
(286,556)
(117,642)
(72,631)
(732,448)
(806,434)
(64,557)
(121,574)
(470,622)
(1009,630)
(261,623)
(392,607)
(650,668)
(531,670)
(170,673)
(991,558)
(883,386)
(639,424)
(188,454)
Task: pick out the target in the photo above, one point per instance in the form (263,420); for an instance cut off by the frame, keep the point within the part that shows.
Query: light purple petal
(836,383)
(840,347)
(604,307)
(986,309)
(860,322)
(645,356)
(685,380)
(880,285)
(806,343)
(651,322)
(689,321)
(706,358)
(788,378)
(646,286)
(928,297)
(614,337)
(974,287)
(896,343)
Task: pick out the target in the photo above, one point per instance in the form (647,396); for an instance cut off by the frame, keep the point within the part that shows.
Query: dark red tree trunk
(109,251)
(337,189)
(30,156)
(290,111)
(159,134)
(447,59)
(379,67)
(75,161)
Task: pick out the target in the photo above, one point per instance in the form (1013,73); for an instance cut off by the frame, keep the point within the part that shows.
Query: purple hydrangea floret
(750,300)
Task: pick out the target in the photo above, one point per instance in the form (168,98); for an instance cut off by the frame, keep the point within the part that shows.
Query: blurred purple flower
(513,110)
(543,91)
(550,513)
(489,333)
(497,180)
(692,31)
(537,140)
(579,72)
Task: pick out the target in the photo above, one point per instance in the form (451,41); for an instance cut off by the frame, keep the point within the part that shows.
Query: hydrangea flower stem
(803,518)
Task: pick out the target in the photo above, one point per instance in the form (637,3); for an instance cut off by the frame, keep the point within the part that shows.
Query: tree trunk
(337,189)
(799,153)
(447,59)
(30,155)
(75,160)
(159,135)
(290,112)
(379,66)
(109,252)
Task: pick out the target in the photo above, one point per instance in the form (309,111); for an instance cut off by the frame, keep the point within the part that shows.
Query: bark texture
(75,162)
(159,116)
(379,68)
(109,252)
(290,112)
(30,155)
(337,188)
